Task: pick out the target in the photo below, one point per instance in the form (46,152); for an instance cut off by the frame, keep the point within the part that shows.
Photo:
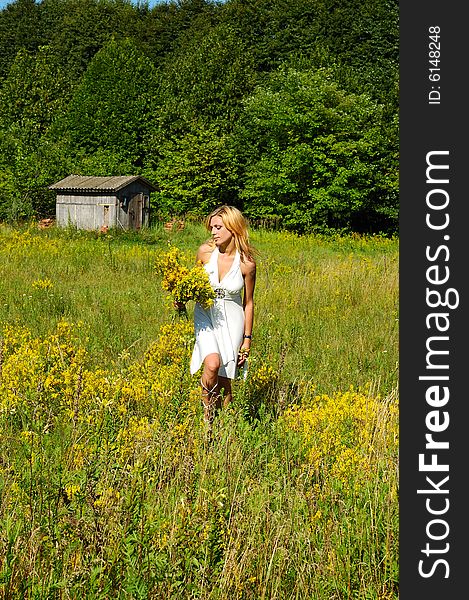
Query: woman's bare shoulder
(248,265)
(204,252)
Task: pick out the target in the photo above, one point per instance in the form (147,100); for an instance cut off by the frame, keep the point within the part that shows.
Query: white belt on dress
(222,294)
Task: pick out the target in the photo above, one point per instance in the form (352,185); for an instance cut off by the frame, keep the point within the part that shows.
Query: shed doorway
(136,211)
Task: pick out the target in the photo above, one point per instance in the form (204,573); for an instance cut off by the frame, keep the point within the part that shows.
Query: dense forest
(287,109)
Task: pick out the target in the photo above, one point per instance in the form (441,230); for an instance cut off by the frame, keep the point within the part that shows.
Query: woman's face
(221,235)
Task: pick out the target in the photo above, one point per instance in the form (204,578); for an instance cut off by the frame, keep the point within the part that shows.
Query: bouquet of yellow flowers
(182,282)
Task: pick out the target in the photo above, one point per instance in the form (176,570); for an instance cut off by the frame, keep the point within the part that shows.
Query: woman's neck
(228,248)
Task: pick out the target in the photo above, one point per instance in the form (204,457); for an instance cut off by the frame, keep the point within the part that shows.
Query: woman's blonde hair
(234,220)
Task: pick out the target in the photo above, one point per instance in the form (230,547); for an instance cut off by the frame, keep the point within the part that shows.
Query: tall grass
(326,310)
(109,487)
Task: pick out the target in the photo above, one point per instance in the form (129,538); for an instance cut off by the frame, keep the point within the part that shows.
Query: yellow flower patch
(184,283)
(340,433)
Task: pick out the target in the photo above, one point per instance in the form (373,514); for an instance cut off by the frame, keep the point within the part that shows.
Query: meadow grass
(109,485)
(326,310)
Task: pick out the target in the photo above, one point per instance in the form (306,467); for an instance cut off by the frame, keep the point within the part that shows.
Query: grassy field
(109,488)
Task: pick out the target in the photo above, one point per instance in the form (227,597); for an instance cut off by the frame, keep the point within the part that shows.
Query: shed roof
(98,184)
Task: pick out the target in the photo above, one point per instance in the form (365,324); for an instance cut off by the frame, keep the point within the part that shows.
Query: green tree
(78,29)
(198,104)
(21,28)
(364,39)
(26,175)
(35,91)
(194,172)
(205,81)
(32,95)
(317,158)
(274,30)
(360,40)
(166,24)
(110,111)
(287,106)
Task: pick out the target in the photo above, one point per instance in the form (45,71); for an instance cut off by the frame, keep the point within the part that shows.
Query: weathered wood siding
(133,207)
(90,211)
(129,209)
(90,202)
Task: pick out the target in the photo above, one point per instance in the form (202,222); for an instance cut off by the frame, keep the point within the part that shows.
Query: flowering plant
(184,283)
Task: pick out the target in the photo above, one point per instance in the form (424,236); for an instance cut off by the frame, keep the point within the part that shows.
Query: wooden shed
(94,202)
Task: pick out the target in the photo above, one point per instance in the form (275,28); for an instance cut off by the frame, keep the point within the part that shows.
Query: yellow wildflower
(184,283)
(42,284)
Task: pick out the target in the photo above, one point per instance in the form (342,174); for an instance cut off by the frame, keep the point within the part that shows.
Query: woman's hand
(243,355)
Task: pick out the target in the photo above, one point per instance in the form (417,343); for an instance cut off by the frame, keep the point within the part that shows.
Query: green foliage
(362,41)
(204,81)
(25,176)
(202,98)
(33,94)
(275,31)
(194,173)
(364,38)
(20,28)
(167,22)
(78,29)
(109,110)
(319,155)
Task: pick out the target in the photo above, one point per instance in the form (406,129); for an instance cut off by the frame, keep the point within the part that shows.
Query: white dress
(220,328)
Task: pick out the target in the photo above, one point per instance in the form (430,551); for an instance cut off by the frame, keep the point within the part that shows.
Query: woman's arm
(203,253)
(248,299)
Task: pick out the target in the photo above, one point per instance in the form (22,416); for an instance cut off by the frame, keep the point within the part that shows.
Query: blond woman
(224,331)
